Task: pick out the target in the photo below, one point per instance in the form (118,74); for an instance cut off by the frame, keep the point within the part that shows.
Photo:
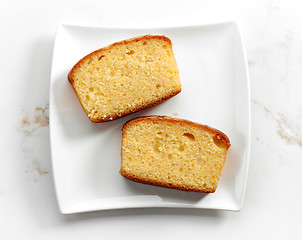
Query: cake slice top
(126,77)
(173,153)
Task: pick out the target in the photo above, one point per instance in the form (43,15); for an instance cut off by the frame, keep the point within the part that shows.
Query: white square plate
(215,91)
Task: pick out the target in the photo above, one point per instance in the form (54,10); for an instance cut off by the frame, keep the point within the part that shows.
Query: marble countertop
(272,209)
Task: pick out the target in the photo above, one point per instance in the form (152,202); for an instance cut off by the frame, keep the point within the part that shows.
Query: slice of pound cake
(126,77)
(173,153)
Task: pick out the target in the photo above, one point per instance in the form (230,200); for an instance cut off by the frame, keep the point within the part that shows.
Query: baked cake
(126,77)
(173,153)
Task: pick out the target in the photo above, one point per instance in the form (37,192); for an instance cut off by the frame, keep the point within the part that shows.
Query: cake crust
(156,118)
(167,185)
(111,46)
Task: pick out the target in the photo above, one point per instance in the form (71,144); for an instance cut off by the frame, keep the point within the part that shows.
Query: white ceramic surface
(215,91)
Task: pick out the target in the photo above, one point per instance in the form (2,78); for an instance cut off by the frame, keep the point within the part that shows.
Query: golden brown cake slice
(126,77)
(173,153)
